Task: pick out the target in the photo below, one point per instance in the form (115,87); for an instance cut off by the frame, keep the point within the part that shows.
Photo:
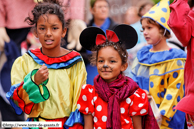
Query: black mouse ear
(127,35)
(88,37)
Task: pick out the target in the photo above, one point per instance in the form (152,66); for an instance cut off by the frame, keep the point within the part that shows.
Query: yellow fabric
(165,70)
(160,13)
(165,104)
(64,86)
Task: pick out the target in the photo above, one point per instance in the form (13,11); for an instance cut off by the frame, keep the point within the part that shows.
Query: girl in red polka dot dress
(114,101)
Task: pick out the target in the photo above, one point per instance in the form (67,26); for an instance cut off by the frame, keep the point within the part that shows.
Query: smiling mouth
(106,71)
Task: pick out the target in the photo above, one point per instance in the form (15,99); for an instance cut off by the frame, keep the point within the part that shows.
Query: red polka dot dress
(90,103)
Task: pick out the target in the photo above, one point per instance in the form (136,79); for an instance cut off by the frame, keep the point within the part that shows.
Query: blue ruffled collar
(145,56)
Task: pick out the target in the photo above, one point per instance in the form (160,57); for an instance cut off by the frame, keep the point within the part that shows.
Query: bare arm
(88,121)
(137,122)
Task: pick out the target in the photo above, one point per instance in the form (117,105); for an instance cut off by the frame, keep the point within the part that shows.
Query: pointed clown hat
(160,13)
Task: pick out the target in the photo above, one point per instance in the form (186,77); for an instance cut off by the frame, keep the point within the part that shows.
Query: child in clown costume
(159,69)
(46,82)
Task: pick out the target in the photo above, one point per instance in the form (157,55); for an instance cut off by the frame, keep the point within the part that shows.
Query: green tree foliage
(156,1)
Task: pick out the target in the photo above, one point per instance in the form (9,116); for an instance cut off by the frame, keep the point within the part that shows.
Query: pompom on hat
(123,34)
(160,13)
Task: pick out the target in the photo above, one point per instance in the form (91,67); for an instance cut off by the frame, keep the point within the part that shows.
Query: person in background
(101,19)
(143,7)
(100,13)
(131,15)
(159,69)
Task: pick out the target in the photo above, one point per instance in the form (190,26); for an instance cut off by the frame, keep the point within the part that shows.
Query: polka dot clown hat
(160,13)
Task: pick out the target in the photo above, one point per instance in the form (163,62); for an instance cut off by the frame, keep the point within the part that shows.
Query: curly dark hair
(46,7)
(117,46)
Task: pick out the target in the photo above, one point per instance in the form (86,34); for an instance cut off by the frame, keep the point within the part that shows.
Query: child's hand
(41,75)
(148,94)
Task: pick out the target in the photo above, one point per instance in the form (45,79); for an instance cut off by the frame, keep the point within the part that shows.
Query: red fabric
(181,22)
(49,60)
(77,126)
(27,108)
(149,121)
(100,39)
(111,36)
(89,102)
(113,93)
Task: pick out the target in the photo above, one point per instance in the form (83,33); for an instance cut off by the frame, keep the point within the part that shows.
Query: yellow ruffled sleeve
(78,77)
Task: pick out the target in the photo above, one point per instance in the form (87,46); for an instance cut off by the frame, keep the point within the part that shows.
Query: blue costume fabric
(162,75)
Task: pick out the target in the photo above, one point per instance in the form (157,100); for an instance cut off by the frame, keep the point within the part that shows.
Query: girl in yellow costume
(159,69)
(46,82)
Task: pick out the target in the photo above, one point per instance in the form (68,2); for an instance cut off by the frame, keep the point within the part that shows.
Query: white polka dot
(93,114)
(99,108)
(131,103)
(99,128)
(90,90)
(104,118)
(126,121)
(84,86)
(92,102)
(84,98)
(95,119)
(86,110)
(94,128)
(78,106)
(140,105)
(133,113)
(136,94)
(143,95)
(94,98)
(128,100)
(142,111)
(122,110)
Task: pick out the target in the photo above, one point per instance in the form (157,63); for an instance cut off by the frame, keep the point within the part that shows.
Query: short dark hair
(92,2)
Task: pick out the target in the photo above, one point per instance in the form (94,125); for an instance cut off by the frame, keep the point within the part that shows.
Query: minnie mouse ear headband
(93,36)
